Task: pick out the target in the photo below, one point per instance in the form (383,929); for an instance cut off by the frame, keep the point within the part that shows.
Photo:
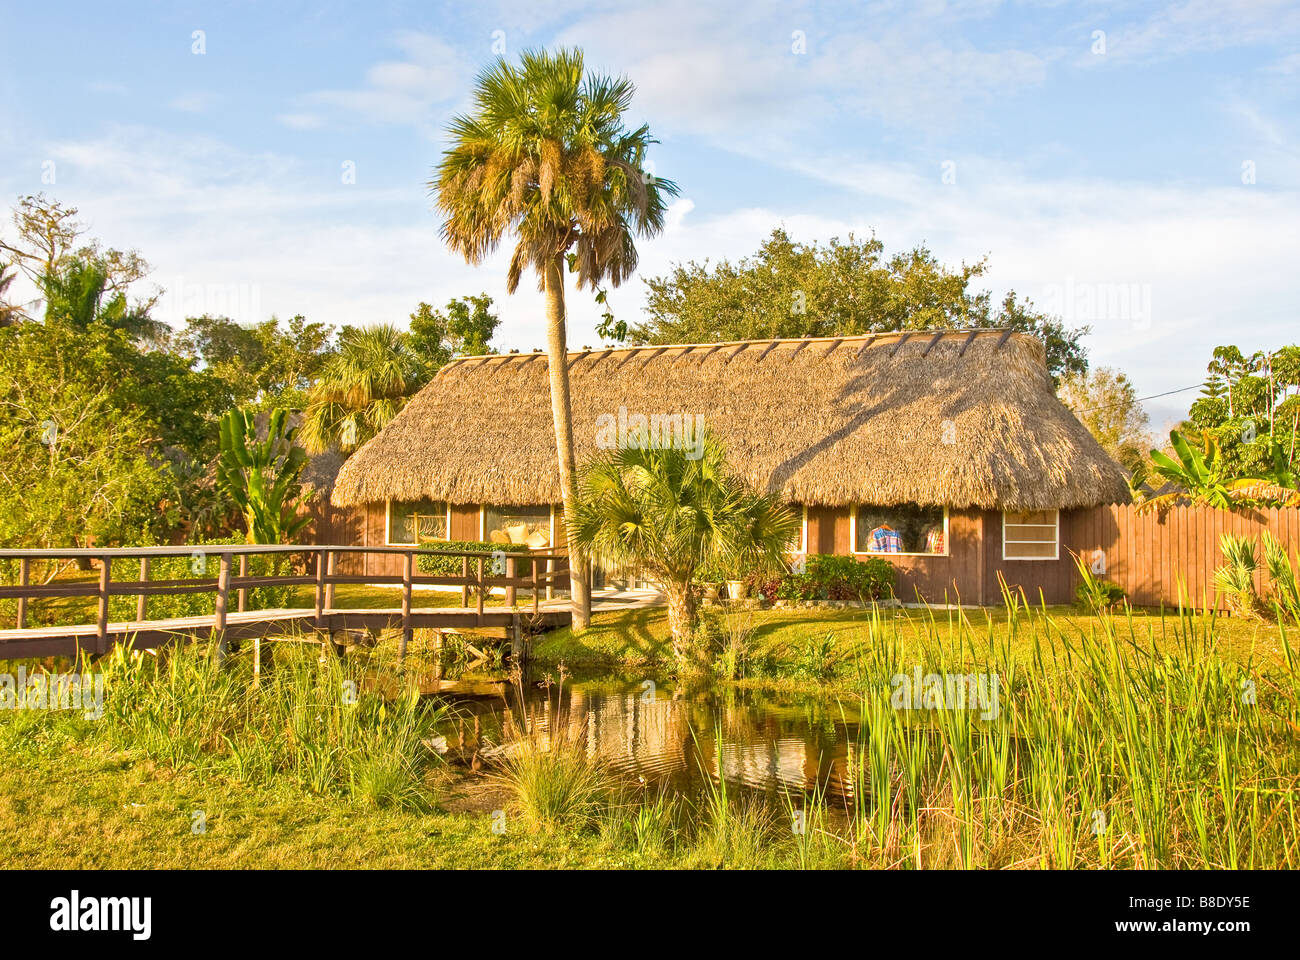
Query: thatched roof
(961,418)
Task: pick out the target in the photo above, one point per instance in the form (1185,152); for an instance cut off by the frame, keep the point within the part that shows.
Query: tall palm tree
(9,314)
(544,156)
(668,512)
(361,387)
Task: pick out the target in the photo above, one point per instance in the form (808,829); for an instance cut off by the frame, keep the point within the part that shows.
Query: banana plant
(261,477)
(1198,473)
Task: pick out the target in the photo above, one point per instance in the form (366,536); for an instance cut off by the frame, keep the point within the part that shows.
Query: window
(528,525)
(1031,534)
(424,521)
(799,542)
(906,529)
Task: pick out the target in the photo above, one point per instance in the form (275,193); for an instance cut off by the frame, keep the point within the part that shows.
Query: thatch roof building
(956,419)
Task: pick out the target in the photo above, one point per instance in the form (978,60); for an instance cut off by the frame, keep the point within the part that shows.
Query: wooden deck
(482,572)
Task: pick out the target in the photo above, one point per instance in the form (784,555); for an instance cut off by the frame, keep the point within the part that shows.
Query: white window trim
(1055,526)
(853,539)
(388,526)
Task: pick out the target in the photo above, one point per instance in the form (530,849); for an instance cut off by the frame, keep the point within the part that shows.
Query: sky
(1130,166)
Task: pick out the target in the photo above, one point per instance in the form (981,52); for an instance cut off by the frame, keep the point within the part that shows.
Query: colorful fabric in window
(934,540)
(886,540)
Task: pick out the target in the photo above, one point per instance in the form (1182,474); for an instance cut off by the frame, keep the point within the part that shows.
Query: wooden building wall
(1154,556)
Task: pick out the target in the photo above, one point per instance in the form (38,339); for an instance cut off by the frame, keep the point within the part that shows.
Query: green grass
(820,646)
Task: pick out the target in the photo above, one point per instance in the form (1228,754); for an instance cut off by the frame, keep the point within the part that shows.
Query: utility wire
(1154,396)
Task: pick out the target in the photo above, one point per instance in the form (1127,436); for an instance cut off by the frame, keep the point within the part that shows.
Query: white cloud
(301,121)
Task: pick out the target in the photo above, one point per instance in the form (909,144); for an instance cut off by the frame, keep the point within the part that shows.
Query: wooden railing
(482,571)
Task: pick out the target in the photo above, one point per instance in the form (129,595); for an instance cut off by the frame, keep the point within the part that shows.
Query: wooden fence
(1155,555)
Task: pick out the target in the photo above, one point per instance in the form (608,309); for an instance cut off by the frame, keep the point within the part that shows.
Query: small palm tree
(544,156)
(667,512)
(360,388)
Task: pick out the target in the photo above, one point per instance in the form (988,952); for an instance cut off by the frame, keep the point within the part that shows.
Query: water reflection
(677,736)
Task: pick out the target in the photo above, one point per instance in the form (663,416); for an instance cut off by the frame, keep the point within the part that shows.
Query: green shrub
(834,577)
(1097,595)
(438,565)
(202,562)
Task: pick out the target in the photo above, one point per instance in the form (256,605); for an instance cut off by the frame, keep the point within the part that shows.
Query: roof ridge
(931,334)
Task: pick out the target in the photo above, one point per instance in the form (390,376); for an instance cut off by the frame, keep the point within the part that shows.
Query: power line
(1154,396)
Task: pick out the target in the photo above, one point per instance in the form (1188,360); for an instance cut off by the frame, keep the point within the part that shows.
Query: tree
(1251,405)
(46,232)
(262,476)
(77,462)
(264,364)
(9,313)
(668,512)
(80,292)
(1106,402)
(361,388)
(465,329)
(544,155)
(789,290)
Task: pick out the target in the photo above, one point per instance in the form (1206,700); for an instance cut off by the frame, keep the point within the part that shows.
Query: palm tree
(9,314)
(361,387)
(544,156)
(668,512)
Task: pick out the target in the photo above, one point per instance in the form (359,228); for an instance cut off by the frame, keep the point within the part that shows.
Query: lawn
(781,643)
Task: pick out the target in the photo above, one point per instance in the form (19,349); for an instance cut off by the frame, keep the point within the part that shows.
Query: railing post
(24,580)
(510,587)
(464,590)
(406,603)
(222,605)
(140,608)
(329,583)
(243,591)
(480,586)
(101,622)
(320,589)
(534,560)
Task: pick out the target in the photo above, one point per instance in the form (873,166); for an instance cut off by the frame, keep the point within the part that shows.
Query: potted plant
(709,579)
(737,585)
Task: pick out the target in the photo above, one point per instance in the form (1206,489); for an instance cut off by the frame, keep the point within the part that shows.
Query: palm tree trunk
(562,411)
(681,620)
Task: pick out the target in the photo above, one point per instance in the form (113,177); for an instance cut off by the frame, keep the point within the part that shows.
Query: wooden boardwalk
(482,573)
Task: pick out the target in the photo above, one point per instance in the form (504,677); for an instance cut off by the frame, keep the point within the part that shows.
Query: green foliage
(465,329)
(262,476)
(790,289)
(1198,473)
(439,565)
(835,577)
(1236,579)
(261,364)
(362,387)
(202,563)
(1095,595)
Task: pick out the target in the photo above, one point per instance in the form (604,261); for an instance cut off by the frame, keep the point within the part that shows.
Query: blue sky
(1135,166)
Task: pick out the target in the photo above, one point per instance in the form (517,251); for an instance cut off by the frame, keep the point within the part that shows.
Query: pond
(674,736)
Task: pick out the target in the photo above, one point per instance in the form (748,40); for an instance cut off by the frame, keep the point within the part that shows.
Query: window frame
(388,525)
(853,538)
(1056,535)
(482,520)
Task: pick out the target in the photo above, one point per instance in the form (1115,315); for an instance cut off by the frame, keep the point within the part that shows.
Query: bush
(833,577)
(437,565)
(1098,595)
(191,567)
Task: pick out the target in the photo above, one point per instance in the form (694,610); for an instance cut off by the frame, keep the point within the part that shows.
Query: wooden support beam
(737,352)
(536,583)
(770,347)
(407,571)
(863,349)
(101,622)
(464,590)
(480,586)
(653,355)
(222,604)
(937,337)
(795,352)
(834,345)
(510,574)
(1003,339)
(320,590)
(243,591)
(144,579)
(330,559)
(969,340)
(899,346)
(24,580)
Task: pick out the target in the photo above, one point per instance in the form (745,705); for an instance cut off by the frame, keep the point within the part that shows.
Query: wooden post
(437,653)
(329,584)
(222,606)
(257,658)
(243,591)
(480,586)
(510,588)
(536,583)
(140,601)
(101,623)
(406,603)
(24,580)
(320,590)
(518,652)
(464,590)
